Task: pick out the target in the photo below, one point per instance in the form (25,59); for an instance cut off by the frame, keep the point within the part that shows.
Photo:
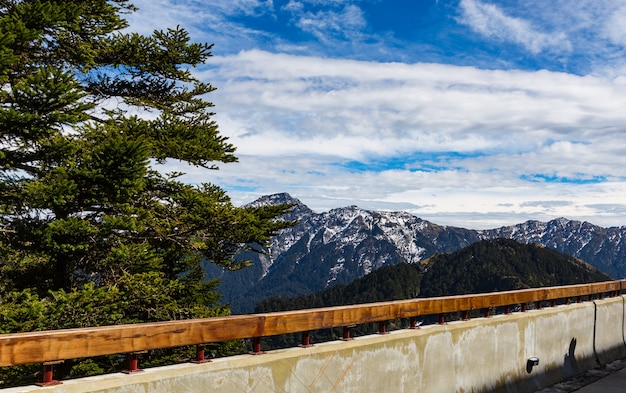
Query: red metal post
(382,327)
(507,309)
(413,323)
(487,312)
(523,306)
(346,334)
(306,340)
(442,319)
(256,347)
(48,375)
(200,355)
(465,315)
(538,305)
(133,364)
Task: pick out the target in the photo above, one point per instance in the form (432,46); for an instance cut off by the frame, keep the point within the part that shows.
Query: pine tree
(90,232)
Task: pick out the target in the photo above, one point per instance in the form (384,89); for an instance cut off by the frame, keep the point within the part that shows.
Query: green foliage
(395,282)
(90,232)
(86,369)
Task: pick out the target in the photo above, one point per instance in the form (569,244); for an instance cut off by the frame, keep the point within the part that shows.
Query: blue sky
(470,113)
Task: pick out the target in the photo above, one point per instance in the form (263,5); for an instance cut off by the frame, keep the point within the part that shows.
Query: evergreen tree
(90,232)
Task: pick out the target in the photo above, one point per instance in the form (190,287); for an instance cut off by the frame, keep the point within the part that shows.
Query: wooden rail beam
(36,347)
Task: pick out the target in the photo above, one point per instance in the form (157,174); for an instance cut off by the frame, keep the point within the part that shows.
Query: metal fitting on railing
(346,333)
(48,379)
(200,358)
(256,347)
(133,363)
(306,340)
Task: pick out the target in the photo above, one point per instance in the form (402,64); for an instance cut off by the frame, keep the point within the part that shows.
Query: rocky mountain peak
(298,211)
(275,199)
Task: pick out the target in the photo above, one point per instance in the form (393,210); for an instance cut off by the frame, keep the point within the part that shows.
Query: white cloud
(328,24)
(456,145)
(614,28)
(425,106)
(477,138)
(210,23)
(490,21)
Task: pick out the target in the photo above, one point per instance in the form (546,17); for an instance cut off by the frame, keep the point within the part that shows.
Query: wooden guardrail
(49,346)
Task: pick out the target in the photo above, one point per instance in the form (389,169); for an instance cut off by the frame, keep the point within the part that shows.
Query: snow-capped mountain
(604,248)
(338,246)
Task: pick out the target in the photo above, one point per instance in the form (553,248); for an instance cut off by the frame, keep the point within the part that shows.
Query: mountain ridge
(485,266)
(343,244)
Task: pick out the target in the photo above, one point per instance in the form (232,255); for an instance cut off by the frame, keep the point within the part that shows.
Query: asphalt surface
(607,379)
(613,383)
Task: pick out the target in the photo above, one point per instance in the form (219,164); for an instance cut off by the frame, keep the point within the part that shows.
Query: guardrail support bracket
(200,355)
(346,333)
(48,379)
(413,323)
(256,347)
(306,340)
(133,363)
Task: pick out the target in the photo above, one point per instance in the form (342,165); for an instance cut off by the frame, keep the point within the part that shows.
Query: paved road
(608,379)
(613,383)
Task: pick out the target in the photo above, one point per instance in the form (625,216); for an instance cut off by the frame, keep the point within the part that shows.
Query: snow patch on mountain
(335,270)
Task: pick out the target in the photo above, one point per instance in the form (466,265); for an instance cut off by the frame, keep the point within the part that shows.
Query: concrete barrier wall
(609,333)
(480,355)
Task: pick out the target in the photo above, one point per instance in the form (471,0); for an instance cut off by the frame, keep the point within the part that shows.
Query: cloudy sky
(471,113)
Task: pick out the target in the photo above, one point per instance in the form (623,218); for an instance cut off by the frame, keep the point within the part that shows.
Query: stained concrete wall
(481,355)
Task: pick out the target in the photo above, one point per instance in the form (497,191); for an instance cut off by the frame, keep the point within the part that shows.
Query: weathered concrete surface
(609,333)
(481,355)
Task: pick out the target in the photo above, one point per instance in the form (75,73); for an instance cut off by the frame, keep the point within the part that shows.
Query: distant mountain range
(344,244)
(485,266)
